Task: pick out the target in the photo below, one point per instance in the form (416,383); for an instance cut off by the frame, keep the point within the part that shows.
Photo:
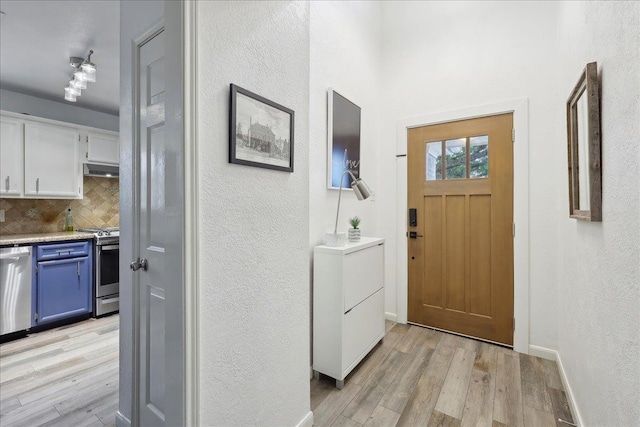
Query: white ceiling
(38,37)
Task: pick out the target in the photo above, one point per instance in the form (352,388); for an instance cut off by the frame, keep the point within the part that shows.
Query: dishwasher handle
(15,253)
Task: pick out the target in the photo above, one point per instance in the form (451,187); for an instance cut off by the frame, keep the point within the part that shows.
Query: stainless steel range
(106,290)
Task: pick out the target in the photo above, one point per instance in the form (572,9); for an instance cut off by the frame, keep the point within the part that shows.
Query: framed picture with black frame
(343,140)
(260,131)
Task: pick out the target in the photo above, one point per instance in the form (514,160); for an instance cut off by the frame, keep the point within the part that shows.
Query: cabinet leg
(339,384)
(316,375)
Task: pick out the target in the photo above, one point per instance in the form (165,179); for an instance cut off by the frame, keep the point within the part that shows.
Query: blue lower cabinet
(63,289)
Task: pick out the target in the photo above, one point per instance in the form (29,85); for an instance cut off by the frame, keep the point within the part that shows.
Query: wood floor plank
(507,407)
(332,406)
(8,405)
(32,418)
(425,395)
(401,389)
(537,418)
(494,395)
(478,407)
(365,402)
(534,384)
(456,384)
(378,354)
(343,421)
(320,389)
(560,406)
(382,417)
(438,419)
(78,373)
(552,374)
(409,340)
(459,342)
(35,379)
(104,370)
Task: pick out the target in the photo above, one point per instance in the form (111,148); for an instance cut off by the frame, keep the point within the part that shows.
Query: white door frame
(520,110)
(191,243)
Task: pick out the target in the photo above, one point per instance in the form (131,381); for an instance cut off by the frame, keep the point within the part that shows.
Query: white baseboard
(122,421)
(550,354)
(577,418)
(307,421)
(543,352)
(391,316)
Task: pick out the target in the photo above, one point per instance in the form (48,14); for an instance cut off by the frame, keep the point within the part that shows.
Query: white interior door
(160,284)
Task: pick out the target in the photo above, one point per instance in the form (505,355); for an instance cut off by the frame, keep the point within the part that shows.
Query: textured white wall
(346,56)
(254,243)
(599,263)
(441,56)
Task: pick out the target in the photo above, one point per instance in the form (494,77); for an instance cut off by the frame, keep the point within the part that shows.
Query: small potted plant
(354,232)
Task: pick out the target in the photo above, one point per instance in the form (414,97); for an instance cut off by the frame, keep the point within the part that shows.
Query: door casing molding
(520,110)
(191,242)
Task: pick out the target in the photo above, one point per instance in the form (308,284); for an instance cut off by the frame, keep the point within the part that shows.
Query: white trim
(520,110)
(307,421)
(577,418)
(191,244)
(29,117)
(543,352)
(390,316)
(122,421)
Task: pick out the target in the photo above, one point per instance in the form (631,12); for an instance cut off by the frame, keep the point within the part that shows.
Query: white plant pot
(335,239)
(354,234)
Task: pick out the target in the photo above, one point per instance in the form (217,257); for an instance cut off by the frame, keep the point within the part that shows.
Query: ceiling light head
(89,71)
(73,90)
(78,84)
(68,95)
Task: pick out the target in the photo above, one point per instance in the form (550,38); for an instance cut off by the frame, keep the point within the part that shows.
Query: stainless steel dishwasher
(15,289)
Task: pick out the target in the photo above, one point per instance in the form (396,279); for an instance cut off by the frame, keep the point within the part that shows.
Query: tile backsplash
(98,209)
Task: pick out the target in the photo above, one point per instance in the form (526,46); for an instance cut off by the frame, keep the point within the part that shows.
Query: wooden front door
(460,246)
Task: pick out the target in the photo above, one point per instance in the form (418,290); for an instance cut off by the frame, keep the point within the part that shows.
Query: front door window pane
(479,156)
(456,158)
(434,161)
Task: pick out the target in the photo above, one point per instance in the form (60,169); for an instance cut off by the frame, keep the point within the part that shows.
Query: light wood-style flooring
(67,376)
(421,377)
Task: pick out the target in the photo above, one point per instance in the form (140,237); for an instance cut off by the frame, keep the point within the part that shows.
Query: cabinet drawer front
(363,274)
(363,326)
(63,250)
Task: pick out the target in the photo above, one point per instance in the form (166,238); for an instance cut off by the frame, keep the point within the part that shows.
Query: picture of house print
(262,132)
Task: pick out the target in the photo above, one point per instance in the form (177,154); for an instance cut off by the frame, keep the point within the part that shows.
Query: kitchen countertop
(23,239)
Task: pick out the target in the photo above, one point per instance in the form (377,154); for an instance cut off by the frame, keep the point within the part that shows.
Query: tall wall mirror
(583,137)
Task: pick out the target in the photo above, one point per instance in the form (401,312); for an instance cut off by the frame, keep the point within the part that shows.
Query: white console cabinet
(348,305)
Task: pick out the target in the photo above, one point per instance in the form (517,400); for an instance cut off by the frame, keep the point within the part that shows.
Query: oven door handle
(110,247)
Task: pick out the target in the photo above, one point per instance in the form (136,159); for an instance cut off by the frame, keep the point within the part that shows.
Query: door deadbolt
(139,264)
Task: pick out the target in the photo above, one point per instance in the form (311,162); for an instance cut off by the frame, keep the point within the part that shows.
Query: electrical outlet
(1,215)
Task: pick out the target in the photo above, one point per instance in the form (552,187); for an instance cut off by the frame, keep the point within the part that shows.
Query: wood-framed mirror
(583,138)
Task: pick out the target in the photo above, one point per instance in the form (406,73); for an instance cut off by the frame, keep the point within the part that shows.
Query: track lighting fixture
(85,71)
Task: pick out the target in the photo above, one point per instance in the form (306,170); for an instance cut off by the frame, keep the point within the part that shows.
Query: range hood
(96,169)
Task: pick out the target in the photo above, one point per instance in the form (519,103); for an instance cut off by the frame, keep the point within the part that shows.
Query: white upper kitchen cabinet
(103,148)
(11,157)
(52,162)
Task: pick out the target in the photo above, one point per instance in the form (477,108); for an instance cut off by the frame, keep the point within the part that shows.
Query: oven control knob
(99,233)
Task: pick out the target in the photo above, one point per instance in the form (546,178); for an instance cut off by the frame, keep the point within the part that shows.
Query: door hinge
(514,323)
(86,155)
(513,229)
(79,138)
(35,316)
(513,135)
(36,269)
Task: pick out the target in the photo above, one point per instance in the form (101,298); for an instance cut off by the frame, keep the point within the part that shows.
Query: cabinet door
(52,162)
(64,289)
(103,148)
(11,157)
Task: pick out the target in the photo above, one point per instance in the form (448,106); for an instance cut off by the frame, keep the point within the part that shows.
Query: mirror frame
(587,86)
